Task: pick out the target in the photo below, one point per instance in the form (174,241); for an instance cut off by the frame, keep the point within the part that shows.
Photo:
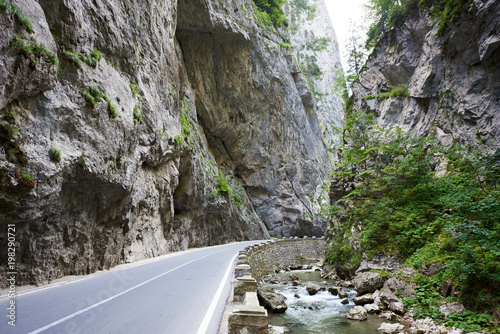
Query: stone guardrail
(248,317)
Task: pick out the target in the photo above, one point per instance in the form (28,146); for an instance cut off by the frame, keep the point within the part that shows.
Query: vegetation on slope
(426,203)
(271,12)
(388,14)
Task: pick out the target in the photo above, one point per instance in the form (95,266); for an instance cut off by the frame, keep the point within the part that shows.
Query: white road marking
(55,323)
(211,309)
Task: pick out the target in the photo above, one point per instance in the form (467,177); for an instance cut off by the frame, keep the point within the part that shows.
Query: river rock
(397,307)
(367,282)
(364,299)
(313,288)
(387,328)
(454,307)
(274,302)
(389,316)
(357,313)
(334,290)
(387,298)
(395,284)
(345,301)
(372,308)
(427,326)
(343,294)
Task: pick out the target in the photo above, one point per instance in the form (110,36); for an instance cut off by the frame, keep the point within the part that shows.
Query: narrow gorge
(130,129)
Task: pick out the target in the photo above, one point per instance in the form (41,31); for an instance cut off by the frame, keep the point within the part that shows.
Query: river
(322,313)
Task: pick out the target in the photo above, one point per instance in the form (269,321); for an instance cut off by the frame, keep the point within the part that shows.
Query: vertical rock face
(452,80)
(316,49)
(189,131)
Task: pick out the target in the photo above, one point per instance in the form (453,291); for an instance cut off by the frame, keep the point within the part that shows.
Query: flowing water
(322,313)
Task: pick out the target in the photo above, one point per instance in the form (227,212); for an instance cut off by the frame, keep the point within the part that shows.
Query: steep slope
(170,125)
(452,80)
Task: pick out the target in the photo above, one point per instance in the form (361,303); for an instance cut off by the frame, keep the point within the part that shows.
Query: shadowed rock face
(217,97)
(452,79)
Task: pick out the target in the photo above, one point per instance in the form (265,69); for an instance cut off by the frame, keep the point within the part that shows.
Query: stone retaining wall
(293,253)
(260,260)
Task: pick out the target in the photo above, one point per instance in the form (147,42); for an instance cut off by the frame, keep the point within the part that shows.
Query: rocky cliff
(133,128)
(449,84)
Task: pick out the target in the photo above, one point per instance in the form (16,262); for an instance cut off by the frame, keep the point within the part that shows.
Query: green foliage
(404,208)
(395,91)
(137,115)
(224,187)
(443,10)
(54,154)
(74,58)
(94,58)
(286,46)
(388,14)
(94,96)
(318,44)
(28,180)
(13,10)
(186,126)
(12,130)
(82,161)
(271,12)
(33,51)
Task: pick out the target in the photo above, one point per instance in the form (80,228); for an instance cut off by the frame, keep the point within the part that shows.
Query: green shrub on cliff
(400,206)
(271,12)
(6,7)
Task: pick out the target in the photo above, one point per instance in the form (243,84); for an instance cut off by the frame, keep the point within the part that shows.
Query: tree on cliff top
(273,9)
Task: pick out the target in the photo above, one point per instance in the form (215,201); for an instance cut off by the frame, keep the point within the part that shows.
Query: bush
(271,12)
(33,51)
(54,154)
(404,209)
(28,180)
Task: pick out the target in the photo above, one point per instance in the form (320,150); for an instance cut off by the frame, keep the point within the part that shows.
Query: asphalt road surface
(181,294)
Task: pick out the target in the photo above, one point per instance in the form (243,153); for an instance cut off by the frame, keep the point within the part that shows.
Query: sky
(341,11)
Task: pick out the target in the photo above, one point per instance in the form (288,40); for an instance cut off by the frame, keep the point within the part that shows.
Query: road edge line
(211,309)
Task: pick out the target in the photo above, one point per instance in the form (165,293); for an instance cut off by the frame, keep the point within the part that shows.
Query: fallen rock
(387,297)
(448,308)
(345,301)
(364,299)
(357,313)
(296,295)
(274,302)
(395,284)
(431,269)
(296,283)
(313,288)
(343,294)
(367,282)
(427,326)
(389,316)
(397,307)
(334,290)
(388,328)
(372,308)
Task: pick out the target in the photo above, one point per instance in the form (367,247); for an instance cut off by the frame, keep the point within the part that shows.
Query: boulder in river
(357,313)
(367,282)
(313,288)
(274,302)
(363,299)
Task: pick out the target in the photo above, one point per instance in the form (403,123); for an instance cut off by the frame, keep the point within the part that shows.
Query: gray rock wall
(279,255)
(453,79)
(217,97)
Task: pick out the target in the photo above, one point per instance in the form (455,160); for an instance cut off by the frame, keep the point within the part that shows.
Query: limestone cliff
(452,80)
(169,124)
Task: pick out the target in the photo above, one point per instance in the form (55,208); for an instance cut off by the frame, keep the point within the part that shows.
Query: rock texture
(202,95)
(452,79)
(274,302)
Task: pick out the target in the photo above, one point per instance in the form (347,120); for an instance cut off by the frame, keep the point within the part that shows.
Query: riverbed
(322,313)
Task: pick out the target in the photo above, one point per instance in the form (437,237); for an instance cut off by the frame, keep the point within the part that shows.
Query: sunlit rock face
(191,129)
